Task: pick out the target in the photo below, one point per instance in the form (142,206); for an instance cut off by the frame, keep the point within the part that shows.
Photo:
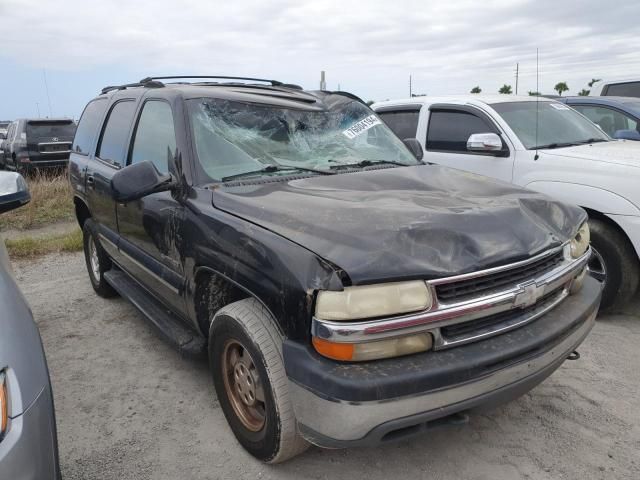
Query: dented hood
(408,222)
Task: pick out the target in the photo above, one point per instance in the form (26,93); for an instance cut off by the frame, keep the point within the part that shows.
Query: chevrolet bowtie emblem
(529,295)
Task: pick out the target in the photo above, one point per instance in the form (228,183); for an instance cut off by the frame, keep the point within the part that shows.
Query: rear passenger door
(109,158)
(151,228)
(448,130)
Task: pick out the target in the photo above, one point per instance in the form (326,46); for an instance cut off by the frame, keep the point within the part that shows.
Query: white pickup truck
(546,146)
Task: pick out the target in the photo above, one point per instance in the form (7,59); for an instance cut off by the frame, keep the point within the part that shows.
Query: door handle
(91,182)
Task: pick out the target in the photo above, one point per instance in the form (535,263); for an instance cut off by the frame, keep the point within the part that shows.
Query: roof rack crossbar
(274,83)
(143,83)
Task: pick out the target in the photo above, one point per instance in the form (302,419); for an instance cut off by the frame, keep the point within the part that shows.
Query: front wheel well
(603,218)
(212,292)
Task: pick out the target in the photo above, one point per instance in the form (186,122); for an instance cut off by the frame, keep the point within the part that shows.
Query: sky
(56,56)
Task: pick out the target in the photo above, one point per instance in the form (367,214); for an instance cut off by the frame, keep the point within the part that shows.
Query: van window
(155,137)
(404,123)
(88,126)
(629,89)
(449,130)
(111,147)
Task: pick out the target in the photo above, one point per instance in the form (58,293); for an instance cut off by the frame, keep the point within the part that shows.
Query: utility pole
(517,72)
(38,108)
(323,82)
(410,91)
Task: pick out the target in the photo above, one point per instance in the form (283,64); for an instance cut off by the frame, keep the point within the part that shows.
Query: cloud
(368,47)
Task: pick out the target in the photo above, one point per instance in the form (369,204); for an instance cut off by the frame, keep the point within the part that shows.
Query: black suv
(37,143)
(346,293)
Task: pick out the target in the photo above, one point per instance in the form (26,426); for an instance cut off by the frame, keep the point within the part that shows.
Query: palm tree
(534,94)
(506,89)
(476,90)
(561,87)
(593,81)
(584,92)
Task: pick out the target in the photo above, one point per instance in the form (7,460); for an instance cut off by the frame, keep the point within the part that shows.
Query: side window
(111,147)
(88,126)
(404,123)
(449,130)
(155,137)
(608,119)
(630,89)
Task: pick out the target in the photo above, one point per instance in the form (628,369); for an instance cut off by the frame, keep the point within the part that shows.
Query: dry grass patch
(51,201)
(30,247)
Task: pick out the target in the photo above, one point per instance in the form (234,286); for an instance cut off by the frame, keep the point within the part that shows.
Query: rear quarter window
(88,126)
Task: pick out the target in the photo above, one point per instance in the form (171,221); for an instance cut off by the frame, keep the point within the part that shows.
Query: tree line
(560,87)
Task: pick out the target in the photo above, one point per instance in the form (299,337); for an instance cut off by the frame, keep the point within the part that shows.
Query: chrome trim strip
(501,268)
(522,295)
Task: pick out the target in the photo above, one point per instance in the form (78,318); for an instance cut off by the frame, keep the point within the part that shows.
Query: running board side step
(170,327)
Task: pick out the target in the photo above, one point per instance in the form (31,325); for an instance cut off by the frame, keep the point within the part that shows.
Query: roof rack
(153,82)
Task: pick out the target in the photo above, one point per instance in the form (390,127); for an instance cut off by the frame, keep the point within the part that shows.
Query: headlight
(373,301)
(580,242)
(4,405)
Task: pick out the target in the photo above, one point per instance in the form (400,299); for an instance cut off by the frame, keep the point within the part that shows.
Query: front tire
(245,355)
(613,262)
(97,260)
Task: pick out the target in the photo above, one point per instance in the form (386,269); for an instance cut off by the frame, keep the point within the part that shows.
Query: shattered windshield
(235,139)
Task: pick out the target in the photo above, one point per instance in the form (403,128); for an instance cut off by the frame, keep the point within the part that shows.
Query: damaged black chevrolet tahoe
(346,293)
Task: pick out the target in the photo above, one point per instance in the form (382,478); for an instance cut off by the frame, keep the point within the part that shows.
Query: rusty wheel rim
(243,386)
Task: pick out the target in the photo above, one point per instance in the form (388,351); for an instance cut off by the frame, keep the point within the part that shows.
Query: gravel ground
(129,407)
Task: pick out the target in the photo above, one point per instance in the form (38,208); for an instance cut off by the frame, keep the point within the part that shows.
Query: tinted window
(155,136)
(450,131)
(114,136)
(88,126)
(42,129)
(403,123)
(631,89)
(608,119)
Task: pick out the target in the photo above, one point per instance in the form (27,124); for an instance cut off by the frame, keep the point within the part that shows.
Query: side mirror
(13,191)
(414,147)
(484,143)
(139,180)
(627,135)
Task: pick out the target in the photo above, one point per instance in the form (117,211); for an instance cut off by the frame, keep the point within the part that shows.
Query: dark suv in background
(37,143)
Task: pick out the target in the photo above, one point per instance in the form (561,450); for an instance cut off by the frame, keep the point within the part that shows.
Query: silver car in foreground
(28,441)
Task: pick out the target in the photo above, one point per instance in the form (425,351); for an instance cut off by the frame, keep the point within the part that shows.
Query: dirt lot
(130,408)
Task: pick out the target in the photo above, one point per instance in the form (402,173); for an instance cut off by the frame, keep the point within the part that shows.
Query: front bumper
(29,451)
(343,405)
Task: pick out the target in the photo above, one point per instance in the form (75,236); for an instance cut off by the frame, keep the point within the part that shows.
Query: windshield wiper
(368,163)
(594,140)
(555,145)
(272,169)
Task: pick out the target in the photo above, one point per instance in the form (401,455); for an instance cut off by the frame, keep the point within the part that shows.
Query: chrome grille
(477,286)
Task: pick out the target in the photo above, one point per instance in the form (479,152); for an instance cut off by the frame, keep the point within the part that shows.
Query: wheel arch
(212,291)
(82,210)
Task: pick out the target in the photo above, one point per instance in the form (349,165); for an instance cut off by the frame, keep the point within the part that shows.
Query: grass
(51,201)
(30,247)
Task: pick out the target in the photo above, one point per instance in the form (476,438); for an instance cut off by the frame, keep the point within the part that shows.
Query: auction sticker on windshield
(362,126)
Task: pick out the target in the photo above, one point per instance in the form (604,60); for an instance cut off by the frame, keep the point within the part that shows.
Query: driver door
(151,228)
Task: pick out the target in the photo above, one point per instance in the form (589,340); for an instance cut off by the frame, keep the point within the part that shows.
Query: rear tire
(97,260)
(266,427)
(615,262)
